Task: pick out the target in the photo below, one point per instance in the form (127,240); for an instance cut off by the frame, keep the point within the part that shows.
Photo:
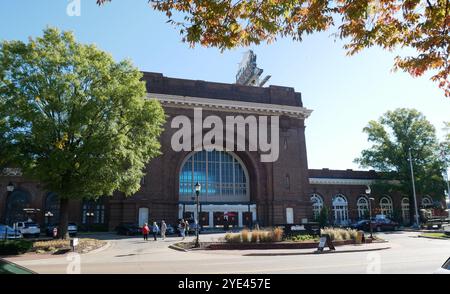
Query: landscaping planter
(276,245)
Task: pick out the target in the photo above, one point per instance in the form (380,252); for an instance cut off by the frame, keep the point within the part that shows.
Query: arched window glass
(222,175)
(15,204)
(52,205)
(317,204)
(427,202)
(405,210)
(386,206)
(363,207)
(340,209)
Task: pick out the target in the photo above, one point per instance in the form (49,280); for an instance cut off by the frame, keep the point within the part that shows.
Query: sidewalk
(339,249)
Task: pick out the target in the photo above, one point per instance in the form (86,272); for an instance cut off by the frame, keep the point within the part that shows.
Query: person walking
(163,229)
(182,227)
(155,230)
(145,231)
(187,227)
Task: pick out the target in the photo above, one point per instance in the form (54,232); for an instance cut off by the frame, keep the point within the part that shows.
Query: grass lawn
(436,235)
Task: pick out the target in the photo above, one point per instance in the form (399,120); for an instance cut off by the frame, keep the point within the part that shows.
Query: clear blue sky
(344,92)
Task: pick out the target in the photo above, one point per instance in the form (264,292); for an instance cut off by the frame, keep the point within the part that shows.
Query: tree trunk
(63,219)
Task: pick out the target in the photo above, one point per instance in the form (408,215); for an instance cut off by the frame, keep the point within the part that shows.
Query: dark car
(128,229)
(72,229)
(361,225)
(385,224)
(377,224)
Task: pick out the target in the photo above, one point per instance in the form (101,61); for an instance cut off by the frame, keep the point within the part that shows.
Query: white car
(9,233)
(444,269)
(28,229)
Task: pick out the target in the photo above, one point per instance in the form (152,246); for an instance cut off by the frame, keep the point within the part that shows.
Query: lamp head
(368,190)
(10,187)
(198,187)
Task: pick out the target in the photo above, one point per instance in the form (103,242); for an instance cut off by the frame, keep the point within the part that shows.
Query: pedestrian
(187,228)
(155,230)
(181,227)
(145,231)
(163,229)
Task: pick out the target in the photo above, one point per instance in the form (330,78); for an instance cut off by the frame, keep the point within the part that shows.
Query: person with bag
(182,227)
(155,230)
(145,231)
(163,229)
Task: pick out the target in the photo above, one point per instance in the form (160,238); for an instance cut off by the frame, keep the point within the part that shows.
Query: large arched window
(405,210)
(340,209)
(15,204)
(52,205)
(363,207)
(386,206)
(222,175)
(317,204)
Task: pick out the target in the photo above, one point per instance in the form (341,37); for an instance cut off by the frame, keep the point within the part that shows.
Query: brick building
(236,186)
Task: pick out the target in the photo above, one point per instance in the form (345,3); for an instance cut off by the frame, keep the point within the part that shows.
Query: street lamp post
(198,187)
(9,189)
(416,213)
(368,191)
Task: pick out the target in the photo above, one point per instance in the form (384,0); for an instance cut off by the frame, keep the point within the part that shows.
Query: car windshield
(446,265)
(11,268)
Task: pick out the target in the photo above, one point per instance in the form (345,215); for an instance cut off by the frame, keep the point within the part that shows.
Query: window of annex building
(222,176)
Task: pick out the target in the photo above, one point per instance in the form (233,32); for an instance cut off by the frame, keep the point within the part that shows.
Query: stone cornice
(231,105)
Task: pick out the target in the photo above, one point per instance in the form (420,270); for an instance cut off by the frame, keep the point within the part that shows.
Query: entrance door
(247,219)
(204,218)
(143,216)
(218,219)
(289,215)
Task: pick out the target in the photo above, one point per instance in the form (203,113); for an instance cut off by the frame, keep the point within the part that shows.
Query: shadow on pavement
(314,252)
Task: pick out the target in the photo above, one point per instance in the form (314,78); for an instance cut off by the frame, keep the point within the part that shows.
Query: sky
(344,92)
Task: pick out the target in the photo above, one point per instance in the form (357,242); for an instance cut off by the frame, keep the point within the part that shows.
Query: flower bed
(276,245)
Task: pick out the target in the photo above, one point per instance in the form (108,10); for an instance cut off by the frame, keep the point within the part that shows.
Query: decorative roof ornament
(249,74)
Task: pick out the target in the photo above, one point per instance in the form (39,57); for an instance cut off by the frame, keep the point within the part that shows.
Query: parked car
(378,224)
(385,224)
(361,225)
(9,232)
(28,229)
(7,267)
(128,229)
(72,229)
(444,269)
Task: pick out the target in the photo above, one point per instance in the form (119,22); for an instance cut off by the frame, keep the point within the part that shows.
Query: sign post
(73,243)
(325,241)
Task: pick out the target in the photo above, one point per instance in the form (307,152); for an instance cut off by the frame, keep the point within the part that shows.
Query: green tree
(421,25)
(392,136)
(78,121)
(323,217)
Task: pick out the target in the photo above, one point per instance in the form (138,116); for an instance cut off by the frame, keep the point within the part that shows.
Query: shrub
(338,234)
(233,238)
(266,236)
(301,238)
(255,236)
(277,234)
(51,245)
(13,247)
(245,236)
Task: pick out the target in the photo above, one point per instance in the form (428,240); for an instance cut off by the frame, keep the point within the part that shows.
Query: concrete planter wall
(276,245)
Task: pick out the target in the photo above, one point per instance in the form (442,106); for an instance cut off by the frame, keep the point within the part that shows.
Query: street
(404,253)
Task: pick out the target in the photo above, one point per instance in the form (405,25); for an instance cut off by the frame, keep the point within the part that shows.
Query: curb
(177,248)
(316,252)
(435,238)
(104,247)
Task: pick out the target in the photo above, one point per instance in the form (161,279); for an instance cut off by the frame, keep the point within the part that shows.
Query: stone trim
(231,105)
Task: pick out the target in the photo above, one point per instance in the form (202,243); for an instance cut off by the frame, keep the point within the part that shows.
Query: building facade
(237,186)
